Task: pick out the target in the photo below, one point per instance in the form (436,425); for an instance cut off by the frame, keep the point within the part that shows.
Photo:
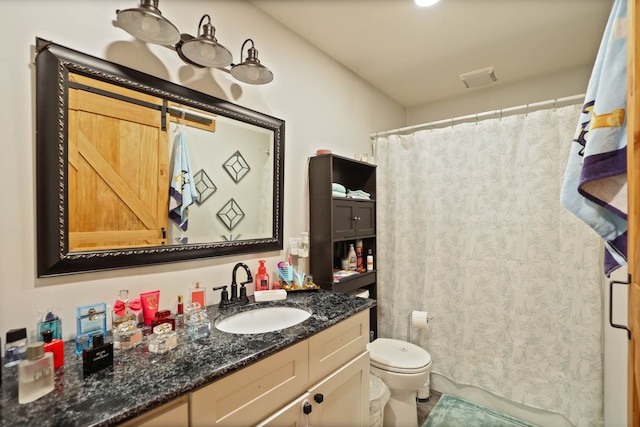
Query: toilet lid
(396,355)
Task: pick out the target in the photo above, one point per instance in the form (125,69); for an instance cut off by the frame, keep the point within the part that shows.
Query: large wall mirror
(134,170)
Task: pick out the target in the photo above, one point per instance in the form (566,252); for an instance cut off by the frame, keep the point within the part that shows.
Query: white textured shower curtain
(471,230)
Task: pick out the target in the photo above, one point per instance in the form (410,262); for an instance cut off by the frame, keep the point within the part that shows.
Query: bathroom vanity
(320,365)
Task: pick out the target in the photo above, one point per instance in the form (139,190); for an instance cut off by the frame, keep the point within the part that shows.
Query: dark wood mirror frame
(53,65)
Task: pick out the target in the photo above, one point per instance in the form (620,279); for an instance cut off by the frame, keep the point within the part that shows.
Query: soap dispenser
(262,277)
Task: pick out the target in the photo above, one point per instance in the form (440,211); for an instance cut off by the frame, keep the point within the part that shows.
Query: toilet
(404,368)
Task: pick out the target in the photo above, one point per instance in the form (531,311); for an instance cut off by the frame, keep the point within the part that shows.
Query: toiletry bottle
(16,347)
(197,321)
(99,356)
(127,335)
(359,255)
(262,277)
(369,260)
(163,339)
(179,311)
(164,316)
(91,320)
(122,309)
(353,262)
(198,295)
(50,320)
(150,302)
(35,375)
(55,346)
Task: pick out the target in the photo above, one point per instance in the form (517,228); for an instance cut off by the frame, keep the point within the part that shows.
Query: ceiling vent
(477,78)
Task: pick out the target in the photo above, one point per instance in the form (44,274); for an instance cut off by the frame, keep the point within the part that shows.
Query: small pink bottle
(262,277)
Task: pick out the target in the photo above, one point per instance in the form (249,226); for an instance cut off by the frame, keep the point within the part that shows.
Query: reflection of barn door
(118,163)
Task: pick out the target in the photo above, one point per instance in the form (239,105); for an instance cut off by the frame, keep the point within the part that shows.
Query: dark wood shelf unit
(336,222)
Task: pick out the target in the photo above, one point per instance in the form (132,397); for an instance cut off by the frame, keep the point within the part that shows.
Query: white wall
(324,106)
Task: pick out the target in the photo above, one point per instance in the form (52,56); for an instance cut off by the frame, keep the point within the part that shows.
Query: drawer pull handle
(306,408)
(318,397)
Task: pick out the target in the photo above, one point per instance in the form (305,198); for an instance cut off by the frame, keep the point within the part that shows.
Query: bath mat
(451,411)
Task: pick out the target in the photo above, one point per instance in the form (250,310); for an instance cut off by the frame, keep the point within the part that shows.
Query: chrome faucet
(237,298)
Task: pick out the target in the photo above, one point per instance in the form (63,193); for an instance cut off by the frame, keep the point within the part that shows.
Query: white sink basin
(260,320)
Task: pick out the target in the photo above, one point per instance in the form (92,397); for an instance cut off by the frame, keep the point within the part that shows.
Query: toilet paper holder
(417,319)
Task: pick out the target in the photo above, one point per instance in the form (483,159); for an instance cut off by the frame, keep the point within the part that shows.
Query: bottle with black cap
(98,357)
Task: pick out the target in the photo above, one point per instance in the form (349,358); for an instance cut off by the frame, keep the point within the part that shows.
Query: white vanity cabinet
(329,371)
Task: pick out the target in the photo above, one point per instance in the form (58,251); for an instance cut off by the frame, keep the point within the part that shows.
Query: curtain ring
(476,118)
(526,110)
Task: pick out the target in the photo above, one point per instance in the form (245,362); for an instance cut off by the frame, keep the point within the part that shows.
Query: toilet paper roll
(420,319)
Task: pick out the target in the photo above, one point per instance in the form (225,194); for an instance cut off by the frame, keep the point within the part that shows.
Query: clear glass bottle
(121,309)
(127,335)
(163,339)
(198,323)
(35,375)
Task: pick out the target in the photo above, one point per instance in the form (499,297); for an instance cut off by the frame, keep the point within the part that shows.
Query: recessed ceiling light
(425,3)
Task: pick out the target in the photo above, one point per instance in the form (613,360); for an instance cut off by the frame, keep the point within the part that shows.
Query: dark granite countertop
(140,380)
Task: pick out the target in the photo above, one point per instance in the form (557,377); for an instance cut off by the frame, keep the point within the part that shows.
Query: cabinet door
(342,399)
(365,218)
(251,394)
(344,219)
(292,415)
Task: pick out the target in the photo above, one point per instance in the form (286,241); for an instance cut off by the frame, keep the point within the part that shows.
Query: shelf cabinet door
(353,218)
(342,399)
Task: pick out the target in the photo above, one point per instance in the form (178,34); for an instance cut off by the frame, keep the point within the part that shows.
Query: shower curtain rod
(568,100)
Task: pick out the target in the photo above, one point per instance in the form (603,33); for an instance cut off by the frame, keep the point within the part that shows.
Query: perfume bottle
(50,320)
(179,316)
(198,324)
(122,310)
(198,295)
(163,339)
(164,316)
(91,320)
(55,346)
(16,347)
(98,357)
(127,335)
(35,375)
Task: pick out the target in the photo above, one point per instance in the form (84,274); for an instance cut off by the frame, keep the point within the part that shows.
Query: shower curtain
(471,230)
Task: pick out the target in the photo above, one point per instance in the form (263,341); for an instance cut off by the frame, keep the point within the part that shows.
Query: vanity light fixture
(251,71)
(146,23)
(205,50)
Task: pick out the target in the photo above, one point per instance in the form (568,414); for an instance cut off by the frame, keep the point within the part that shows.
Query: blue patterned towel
(182,192)
(595,181)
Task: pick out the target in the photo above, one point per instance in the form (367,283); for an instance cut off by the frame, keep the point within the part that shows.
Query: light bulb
(253,73)
(150,25)
(207,51)
(425,3)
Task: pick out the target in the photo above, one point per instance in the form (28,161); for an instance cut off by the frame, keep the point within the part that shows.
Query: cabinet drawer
(335,346)
(250,395)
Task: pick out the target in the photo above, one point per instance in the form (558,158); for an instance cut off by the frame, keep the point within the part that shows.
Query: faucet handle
(224,295)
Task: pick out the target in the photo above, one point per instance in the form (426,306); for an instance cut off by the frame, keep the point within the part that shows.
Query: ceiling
(415,55)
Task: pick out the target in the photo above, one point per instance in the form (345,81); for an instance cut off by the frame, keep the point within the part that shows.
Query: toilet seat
(398,356)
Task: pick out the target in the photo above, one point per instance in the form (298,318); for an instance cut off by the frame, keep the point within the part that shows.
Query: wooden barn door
(118,169)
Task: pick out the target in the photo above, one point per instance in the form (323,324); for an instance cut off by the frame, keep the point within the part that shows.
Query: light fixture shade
(251,71)
(146,23)
(205,50)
